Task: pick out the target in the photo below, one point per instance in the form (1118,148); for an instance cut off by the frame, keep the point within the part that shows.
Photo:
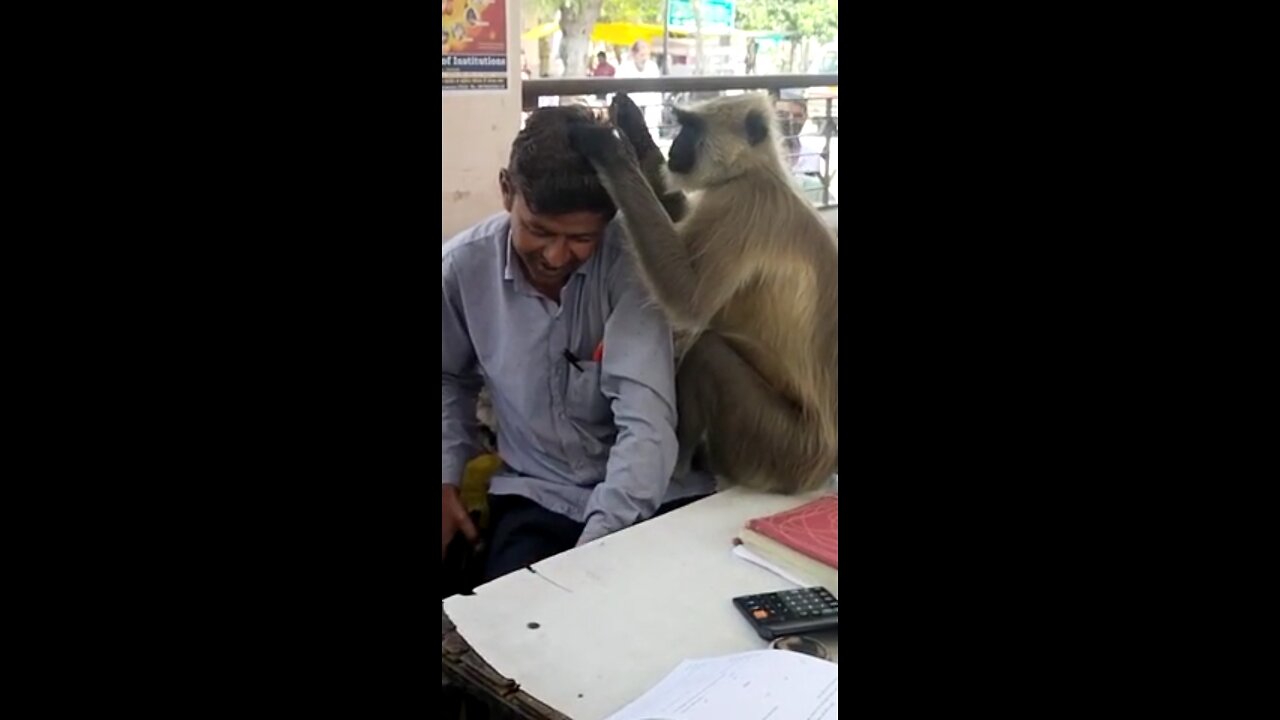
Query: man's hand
(453,518)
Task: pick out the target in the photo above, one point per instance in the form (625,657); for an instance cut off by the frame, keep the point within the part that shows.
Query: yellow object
(541,31)
(475,484)
(625,33)
(616,33)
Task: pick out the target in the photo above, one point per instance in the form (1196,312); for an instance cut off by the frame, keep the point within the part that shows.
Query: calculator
(790,612)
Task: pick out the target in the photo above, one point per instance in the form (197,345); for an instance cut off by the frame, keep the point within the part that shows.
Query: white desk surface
(614,617)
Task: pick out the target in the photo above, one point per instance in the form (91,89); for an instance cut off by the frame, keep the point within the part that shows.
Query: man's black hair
(552,178)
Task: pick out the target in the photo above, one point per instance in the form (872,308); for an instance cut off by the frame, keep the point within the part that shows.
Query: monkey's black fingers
(596,142)
(613,107)
(620,100)
(630,120)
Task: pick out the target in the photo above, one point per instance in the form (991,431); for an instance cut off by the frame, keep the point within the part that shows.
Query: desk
(614,617)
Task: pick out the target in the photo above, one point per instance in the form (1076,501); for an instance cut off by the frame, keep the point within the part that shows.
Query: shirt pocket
(584,401)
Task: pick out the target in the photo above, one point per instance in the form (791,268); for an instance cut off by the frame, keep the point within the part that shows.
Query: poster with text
(473,45)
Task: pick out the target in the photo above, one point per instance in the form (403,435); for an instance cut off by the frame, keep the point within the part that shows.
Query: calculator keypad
(791,611)
(810,603)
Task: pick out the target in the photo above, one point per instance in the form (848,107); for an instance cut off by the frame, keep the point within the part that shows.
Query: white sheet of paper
(750,556)
(772,684)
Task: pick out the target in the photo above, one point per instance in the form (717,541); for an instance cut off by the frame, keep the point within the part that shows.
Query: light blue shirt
(595,444)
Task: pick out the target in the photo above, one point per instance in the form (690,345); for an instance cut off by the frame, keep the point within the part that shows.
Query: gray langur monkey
(748,268)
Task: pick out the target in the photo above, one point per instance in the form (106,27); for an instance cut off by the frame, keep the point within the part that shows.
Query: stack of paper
(804,542)
(772,684)
(745,553)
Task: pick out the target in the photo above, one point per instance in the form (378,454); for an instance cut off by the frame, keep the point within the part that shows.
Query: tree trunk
(544,57)
(577,20)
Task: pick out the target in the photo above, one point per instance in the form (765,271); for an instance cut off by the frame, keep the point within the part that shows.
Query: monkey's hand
(629,118)
(602,145)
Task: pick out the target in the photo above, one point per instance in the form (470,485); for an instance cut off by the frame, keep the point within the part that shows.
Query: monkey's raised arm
(630,120)
(689,300)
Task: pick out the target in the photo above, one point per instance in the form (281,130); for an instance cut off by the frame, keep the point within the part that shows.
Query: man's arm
(460,384)
(638,376)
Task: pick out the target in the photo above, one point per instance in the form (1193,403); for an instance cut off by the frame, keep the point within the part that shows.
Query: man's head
(640,53)
(792,115)
(602,57)
(559,209)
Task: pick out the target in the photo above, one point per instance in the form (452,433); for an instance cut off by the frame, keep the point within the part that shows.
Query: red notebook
(812,529)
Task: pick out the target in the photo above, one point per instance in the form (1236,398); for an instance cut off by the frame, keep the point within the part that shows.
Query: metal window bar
(594,92)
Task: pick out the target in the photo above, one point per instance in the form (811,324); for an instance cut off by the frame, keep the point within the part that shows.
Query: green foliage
(806,18)
(639,11)
(545,10)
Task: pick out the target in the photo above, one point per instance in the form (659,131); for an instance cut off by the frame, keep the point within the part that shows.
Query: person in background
(543,305)
(603,68)
(639,64)
(803,152)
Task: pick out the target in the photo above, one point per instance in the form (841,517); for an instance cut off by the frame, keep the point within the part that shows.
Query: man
(803,152)
(543,305)
(640,65)
(603,68)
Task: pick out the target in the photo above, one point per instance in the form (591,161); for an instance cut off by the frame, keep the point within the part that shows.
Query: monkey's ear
(757,127)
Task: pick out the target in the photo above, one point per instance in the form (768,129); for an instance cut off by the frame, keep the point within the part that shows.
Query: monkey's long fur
(752,272)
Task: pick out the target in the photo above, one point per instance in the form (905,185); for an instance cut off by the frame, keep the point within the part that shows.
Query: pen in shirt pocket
(573,359)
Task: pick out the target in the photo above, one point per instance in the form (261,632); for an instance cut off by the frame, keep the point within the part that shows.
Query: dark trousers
(525,533)
(521,533)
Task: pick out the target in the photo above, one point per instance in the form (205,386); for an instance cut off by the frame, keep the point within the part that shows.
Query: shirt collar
(510,271)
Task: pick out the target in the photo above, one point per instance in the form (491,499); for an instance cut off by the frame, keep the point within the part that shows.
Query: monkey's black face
(684,151)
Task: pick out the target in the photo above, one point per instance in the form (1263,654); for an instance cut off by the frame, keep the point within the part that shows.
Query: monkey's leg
(692,405)
(757,437)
